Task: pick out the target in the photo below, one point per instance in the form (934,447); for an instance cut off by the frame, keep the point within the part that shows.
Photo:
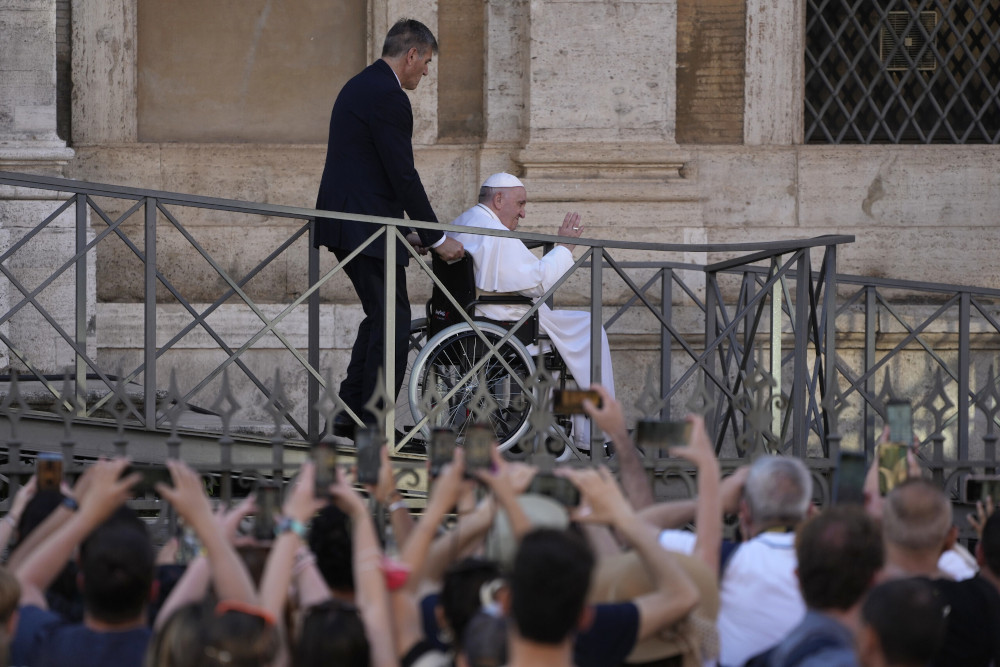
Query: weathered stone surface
(774,72)
(104,71)
(591,73)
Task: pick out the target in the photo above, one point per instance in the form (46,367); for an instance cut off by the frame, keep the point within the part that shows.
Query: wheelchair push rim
(448,356)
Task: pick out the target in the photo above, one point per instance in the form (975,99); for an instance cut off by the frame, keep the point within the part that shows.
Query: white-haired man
(506,265)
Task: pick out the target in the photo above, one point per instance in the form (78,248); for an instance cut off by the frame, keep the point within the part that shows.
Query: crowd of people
(492,571)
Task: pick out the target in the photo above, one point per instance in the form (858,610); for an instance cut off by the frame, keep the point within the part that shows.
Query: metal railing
(743,339)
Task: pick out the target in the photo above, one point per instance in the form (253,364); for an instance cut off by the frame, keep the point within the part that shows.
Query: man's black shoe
(414,446)
(343,428)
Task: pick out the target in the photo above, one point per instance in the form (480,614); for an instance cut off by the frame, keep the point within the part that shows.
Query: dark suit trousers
(368,276)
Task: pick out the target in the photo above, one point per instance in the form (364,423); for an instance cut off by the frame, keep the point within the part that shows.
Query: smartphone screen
(899,414)
(151,476)
(325,458)
(369,443)
(849,478)
(979,487)
(267,507)
(478,443)
(662,433)
(441,451)
(570,401)
(559,489)
(893,469)
(48,471)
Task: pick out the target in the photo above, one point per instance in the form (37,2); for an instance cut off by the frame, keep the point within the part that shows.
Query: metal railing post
(800,385)
(596,328)
(964,374)
(149,320)
(312,391)
(829,334)
(81,301)
(871,328)
(389,362)
(666,342)
(776,351)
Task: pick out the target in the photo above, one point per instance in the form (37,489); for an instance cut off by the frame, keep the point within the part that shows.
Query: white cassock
(506,265)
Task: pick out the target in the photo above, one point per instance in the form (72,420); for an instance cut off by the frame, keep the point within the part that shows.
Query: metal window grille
(902,71)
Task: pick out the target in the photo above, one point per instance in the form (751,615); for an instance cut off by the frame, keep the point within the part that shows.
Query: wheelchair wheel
(448,356)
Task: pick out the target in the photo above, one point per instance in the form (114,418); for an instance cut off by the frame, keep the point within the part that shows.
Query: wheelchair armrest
(504,300)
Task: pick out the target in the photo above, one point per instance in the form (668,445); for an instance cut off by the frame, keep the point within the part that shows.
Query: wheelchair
(453,348)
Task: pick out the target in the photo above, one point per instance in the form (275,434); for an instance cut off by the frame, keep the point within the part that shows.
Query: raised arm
(370,591)
(107,492)
(229,574)
(675,594)
(17,505)
(708,516)
(386,494)
(611,419)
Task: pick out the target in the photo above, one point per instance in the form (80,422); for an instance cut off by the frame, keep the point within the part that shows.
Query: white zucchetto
(503,180)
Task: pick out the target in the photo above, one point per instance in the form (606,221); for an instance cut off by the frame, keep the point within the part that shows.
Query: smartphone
(558,488)
(268,502)
(662,433)
(478,443)
(441,450)
(369,444)
(48,471)
(151,476)
(899,414)
(570,401)
(893,468)
(849,478)
(978,487)
(325,457)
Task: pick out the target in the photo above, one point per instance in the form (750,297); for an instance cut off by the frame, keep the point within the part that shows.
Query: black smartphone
(849,478)
(558,488)
(325,457)
(570,401)
(978,487)
(441,450)
(48,471)
(662,433)
(267,499)
(369,444)
(899,414)
(151,476)
(893,468)
(478,443)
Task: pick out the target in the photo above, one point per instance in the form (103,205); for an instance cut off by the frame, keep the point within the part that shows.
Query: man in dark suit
(369,170)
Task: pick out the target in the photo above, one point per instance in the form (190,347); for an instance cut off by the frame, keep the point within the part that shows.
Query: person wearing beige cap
(506,265)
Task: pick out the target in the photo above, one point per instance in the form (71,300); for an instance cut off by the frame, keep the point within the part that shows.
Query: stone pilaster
(29,143)
(601,105)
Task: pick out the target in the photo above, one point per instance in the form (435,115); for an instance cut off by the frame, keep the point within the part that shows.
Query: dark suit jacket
(369,164)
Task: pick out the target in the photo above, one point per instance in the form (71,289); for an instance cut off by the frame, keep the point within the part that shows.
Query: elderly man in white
(505,265)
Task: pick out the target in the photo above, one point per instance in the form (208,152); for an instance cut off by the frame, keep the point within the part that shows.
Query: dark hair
(990,541)
(331,543)
(839,552)
(909,618)
(117,563)
(549,584)
(407,34)
(332,634)
(460,598)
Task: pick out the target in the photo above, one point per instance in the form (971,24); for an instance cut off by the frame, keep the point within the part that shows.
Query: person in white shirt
(759,597)
(506,265)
